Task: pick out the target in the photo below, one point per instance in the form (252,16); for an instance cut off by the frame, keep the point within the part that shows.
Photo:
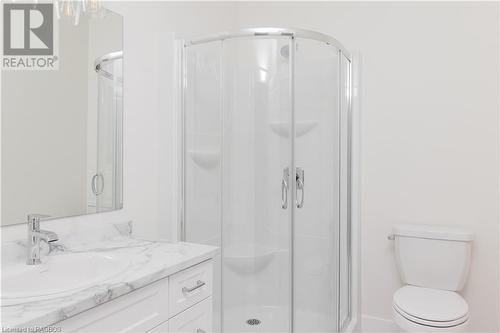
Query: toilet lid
(431,305)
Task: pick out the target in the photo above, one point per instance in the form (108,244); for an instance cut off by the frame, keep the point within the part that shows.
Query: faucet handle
(48,236)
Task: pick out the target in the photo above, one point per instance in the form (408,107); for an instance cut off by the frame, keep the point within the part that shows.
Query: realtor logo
(29,31)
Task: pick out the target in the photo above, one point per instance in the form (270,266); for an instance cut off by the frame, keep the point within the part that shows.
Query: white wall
(429,128)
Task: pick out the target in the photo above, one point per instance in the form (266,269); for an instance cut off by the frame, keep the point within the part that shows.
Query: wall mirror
(61,130)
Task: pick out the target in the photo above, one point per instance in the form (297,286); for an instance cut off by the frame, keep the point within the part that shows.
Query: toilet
(433,262)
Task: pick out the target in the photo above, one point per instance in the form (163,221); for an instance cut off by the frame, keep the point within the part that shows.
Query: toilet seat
(431,323)
(431,307)
(407,325)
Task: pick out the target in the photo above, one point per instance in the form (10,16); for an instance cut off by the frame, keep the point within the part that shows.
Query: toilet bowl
(418,309)
(433,262)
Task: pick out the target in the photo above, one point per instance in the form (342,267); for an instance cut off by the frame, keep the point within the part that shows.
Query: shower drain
(253,321)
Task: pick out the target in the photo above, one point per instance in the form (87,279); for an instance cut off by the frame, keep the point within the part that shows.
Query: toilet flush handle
(391,237)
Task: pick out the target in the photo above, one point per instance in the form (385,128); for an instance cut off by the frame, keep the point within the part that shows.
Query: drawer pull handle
(199,284)
(199,330)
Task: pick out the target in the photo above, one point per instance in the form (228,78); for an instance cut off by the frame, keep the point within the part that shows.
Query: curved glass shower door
(256,271)
(266,177)
(316,216)
(237,176)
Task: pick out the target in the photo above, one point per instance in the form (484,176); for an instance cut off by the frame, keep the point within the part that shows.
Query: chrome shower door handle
(299,178)
(94,184)
(284,188)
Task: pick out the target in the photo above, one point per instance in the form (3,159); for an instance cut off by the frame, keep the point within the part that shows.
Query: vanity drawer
(197,319)
(189,287)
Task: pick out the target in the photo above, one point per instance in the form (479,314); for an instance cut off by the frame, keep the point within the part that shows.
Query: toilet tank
(433,256)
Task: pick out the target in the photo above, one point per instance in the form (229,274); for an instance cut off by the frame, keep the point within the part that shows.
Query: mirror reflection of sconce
(74,9)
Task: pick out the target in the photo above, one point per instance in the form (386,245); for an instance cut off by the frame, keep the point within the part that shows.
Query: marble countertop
(148,262)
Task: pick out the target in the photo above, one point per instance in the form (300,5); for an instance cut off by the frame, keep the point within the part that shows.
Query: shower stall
(266,176)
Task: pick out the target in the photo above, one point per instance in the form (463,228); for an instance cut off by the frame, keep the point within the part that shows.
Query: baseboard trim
(372,324)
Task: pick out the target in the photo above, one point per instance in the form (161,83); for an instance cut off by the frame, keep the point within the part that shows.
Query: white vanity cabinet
(181,302)
(197,318)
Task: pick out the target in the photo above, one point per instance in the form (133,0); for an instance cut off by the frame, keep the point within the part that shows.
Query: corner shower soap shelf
(301,127)
(207,159)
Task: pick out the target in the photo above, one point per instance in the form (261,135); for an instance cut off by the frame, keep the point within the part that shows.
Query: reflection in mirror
(62,129)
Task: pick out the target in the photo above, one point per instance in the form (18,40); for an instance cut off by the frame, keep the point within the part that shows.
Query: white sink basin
(58,274)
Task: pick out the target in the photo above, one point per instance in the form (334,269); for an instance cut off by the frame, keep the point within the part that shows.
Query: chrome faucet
(34,237)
